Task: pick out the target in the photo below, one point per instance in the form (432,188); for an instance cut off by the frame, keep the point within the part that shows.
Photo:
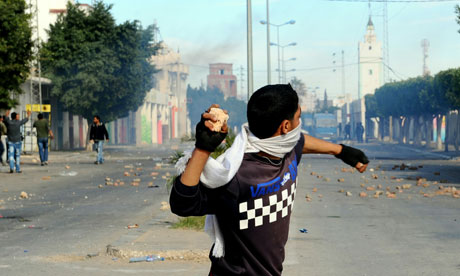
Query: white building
(370,77)
(370,62)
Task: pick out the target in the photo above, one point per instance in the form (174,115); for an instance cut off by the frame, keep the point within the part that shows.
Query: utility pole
(343,73)
(386,44)
(425,45)
(241,77)
(38,59)
(249,46)
(269,70)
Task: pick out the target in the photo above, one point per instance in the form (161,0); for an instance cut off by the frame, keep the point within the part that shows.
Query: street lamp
(263,22)
(284,67)
(282,55)
(287,71)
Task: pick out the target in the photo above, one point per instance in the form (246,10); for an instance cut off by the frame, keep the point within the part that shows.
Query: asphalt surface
(71,213)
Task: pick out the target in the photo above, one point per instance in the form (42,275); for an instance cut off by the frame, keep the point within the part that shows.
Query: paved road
(67,217)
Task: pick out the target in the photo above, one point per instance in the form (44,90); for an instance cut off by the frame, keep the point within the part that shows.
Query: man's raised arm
(206,142)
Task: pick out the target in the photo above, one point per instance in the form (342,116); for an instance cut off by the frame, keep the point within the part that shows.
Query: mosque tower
(370,60)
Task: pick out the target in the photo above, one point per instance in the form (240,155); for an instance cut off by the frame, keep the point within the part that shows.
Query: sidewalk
(450,155)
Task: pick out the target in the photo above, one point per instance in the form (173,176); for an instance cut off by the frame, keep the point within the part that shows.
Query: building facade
(163,115)
(221,77)
(370,62)
(370,77)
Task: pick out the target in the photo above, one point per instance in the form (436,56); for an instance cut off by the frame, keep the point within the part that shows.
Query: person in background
(43,131)
(347,131)
(3,131)
(98,133)
(15,139)
(359,132)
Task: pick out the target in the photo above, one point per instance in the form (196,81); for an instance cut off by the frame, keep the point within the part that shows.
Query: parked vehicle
(321,125)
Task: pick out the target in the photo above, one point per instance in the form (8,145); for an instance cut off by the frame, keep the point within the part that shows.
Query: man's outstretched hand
(353,157)
(206,138)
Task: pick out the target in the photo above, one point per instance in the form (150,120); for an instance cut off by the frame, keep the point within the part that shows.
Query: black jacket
(98,132)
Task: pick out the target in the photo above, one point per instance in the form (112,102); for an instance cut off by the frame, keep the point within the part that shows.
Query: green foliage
(176,156)
(15,50)
(224,146)
(190,223)
(200,99)
(98,67)
(371,106)
(416,96)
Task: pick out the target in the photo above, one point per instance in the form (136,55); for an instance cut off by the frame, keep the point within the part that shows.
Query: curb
(439,155)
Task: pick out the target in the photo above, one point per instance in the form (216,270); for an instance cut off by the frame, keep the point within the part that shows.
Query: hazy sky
(210,31)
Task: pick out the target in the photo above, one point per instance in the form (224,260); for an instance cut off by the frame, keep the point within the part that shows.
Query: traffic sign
(36,107)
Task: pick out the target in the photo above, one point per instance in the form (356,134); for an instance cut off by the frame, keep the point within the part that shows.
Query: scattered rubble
(133,226)
(165,206)
(391,195)
(406,186)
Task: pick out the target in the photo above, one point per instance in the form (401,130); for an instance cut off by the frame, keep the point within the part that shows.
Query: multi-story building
(221,77)
(163,116)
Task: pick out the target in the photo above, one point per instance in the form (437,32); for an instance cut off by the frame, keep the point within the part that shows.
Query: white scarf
(220,171)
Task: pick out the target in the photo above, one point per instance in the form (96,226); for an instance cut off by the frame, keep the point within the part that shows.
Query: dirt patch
(63,258)
(199,256)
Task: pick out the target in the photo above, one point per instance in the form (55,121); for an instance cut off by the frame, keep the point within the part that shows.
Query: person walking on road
(347,131)
(15,139)
(248,192)
(43,132)
(98,133)
(3,131)
(359,132)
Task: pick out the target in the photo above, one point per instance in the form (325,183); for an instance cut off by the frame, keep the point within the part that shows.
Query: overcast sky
(210,31)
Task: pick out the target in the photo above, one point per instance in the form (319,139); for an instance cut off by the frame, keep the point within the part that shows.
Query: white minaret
(370,57)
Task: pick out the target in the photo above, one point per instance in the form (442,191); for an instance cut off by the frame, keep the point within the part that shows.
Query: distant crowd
(11,127)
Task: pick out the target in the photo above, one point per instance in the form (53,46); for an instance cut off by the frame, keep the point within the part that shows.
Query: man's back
(42,128)
(253,213)
(14,129)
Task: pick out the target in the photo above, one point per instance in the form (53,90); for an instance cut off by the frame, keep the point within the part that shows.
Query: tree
(457,11)
(299,86)
(201,98)
(15,50)
(96,66)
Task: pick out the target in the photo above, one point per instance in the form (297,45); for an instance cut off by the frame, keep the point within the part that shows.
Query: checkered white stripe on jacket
(279,204)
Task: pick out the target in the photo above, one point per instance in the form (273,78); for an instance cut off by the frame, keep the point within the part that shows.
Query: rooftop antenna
(425,45)
(386,44)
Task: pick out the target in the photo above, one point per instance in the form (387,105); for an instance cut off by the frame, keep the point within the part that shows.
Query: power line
(394,1)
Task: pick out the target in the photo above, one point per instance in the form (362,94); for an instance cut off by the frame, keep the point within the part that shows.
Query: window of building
(370,72)
(370,48)
(221,71)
